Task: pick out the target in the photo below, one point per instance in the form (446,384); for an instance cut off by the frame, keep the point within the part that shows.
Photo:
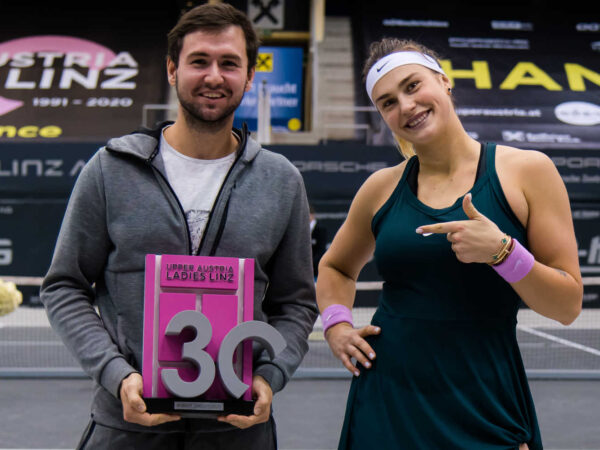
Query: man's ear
(171,71)
(250,79)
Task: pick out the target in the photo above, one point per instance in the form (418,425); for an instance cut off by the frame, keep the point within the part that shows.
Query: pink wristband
(516,265)
(335,314)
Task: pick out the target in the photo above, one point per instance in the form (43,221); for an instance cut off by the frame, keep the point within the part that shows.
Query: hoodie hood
(143,143)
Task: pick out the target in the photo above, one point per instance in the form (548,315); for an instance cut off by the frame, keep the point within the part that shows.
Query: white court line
(31,344)
(566,342)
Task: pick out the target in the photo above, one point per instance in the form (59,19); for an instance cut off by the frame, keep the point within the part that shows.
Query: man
(191,187)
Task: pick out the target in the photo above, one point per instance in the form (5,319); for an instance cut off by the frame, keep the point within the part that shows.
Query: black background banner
(33,203)
(332,172)
(524,77)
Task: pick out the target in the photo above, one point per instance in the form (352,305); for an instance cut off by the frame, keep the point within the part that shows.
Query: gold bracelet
(503,251)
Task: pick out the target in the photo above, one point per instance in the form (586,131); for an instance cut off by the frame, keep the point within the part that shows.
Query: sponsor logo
(523,136)
(30,131)
(524,73)
(592,26)
(511,25)
(576,162)
(499,112)
(595,46)
(586,214)
(39,168)
(578,113)
(6,252)
(339,166)
(47,62)
(489,43)
(593,256)
(416,23)
(382,66)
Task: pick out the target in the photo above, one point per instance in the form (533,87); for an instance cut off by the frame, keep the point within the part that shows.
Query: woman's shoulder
(378,187)
(521,156)
(523,162)
(382,178)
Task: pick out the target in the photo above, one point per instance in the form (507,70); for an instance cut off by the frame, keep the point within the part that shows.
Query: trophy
(198,332)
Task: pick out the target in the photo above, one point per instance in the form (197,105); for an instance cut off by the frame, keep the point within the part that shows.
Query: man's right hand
(134,408)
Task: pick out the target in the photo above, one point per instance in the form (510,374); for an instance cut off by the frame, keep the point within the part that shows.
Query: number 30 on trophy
(198,333)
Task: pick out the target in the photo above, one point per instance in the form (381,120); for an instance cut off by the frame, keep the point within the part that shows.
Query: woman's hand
(347,342)
(473,240)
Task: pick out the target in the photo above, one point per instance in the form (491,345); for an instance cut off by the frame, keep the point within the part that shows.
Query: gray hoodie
(122,208)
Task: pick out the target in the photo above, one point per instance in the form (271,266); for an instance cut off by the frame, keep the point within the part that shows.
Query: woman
(461,233)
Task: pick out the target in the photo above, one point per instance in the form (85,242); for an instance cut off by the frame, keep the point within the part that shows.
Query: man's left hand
(263,394)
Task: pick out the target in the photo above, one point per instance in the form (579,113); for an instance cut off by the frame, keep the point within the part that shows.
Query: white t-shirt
(196,183)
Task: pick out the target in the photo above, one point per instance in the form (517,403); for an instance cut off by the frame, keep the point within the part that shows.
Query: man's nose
(213,75)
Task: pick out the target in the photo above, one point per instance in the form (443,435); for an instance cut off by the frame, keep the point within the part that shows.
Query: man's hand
(474,240)
(263,394)
(134,408)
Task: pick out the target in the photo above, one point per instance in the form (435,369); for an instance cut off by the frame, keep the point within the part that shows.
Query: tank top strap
(490,156)
(397,190)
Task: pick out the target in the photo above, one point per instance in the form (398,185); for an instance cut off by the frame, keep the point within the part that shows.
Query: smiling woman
(459,233)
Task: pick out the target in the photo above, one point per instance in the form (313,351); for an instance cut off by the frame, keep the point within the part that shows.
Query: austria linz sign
(198,322)
(60,87)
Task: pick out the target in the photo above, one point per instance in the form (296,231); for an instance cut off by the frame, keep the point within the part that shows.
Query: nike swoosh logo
(381,67)
(517,264)
(329,316)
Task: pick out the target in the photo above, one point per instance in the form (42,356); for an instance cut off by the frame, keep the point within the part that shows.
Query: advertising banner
(80,75)
(332,175)
(281,71)
(526,80)
(586,217)
(28,235)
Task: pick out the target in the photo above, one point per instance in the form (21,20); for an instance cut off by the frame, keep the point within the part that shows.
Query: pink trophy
(198,332)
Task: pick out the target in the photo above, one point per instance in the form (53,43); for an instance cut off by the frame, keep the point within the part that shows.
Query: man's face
(212,75)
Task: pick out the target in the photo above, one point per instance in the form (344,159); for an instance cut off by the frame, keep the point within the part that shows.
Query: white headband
(393,60)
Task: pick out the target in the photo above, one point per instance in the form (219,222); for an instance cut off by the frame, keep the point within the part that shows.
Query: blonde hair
(384,47)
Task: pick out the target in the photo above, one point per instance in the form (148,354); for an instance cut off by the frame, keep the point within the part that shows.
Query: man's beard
(197,119)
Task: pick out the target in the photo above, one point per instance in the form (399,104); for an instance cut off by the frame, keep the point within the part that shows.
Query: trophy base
(199,409)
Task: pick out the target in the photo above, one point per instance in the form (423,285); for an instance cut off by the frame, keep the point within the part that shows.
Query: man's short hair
(212,17)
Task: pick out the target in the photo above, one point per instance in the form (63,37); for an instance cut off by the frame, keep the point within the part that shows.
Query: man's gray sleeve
(290,303)
(67,290)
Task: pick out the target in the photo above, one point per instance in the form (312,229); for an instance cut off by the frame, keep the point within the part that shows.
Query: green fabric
(448,373)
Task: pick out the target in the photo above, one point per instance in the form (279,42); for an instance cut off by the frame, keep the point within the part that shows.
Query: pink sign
(192,303)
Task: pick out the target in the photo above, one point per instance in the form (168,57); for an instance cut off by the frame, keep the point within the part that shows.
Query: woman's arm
(554,287)
(352,247)
(538,196)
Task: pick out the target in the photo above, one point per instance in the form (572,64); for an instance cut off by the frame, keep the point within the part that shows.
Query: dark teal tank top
(424,269)
(448,372)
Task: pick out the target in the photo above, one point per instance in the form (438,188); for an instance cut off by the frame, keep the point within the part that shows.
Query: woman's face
(414,102)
